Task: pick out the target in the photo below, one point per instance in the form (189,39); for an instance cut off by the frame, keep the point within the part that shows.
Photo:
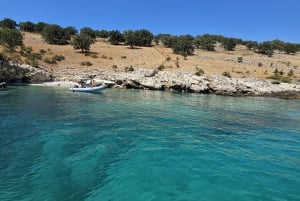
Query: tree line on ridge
(184,45)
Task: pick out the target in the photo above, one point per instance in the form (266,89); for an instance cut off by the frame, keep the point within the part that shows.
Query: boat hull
(88,89)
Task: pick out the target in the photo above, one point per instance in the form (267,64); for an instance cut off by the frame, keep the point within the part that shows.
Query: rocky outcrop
(24,73)
(140,78)
(180,81)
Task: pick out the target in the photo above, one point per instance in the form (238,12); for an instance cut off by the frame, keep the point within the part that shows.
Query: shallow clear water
(147,145)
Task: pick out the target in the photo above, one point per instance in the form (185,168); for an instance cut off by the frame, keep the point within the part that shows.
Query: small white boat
(88,89)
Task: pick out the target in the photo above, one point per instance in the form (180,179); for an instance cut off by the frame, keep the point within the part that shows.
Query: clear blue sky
(259,20)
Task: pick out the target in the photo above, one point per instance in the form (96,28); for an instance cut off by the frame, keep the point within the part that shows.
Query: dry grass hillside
(104,56)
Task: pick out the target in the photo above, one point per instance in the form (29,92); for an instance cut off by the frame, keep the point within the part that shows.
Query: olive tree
(10,38)
(115,37)
(26,26)
(54,34)
(8,23)
(82,42)
(88,31)
(183,45)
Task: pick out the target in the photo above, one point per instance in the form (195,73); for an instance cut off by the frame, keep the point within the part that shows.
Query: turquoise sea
(128,145)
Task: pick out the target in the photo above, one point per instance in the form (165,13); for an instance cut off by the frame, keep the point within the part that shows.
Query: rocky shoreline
(153,79)
(185,82)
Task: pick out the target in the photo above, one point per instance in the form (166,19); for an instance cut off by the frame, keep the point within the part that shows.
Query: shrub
(129,69)
(260,64)
(54,59)
(103,56)
(226,74)
(177,62)
(168,58)
(42,51)
(291,73)
(240,59)
(161,67)
(199,72)
(10,38)
(86,63)
(123,57)
(58,57)
(32,62)
(49,61)
(34,56)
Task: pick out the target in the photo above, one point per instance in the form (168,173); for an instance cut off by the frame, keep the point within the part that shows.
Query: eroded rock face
(24,73)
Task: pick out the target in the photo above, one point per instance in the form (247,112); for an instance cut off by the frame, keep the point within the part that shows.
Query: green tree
(102,33)
(82,42)
(130,38)
(27,26)
(290,48)
(278,44)
(71,31)
(266,48)
(144,37)
(251,45)
(229,44)
(54,34)
(139,38)
(39,27)
(8,23)
(115,37)
(10,38)
(205,42)
(88,31)
(167,39)
(183,45)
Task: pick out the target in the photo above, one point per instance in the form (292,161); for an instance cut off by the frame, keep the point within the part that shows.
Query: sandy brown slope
(107,56)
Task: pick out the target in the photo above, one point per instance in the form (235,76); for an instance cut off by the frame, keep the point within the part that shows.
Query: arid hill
(104,56)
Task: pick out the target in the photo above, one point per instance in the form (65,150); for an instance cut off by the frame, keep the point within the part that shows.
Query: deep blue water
(146,145)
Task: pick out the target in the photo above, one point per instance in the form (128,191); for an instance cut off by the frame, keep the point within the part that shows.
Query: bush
(94,55)
(86,63)
(42,51)
(10,38)
(199,72)
(32,62)
(177,62)
(49,61)
(291,73)
(103,56)
(240,59)
(129,69)
(226,74)
(54,59)
(161,67)
(58,57)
